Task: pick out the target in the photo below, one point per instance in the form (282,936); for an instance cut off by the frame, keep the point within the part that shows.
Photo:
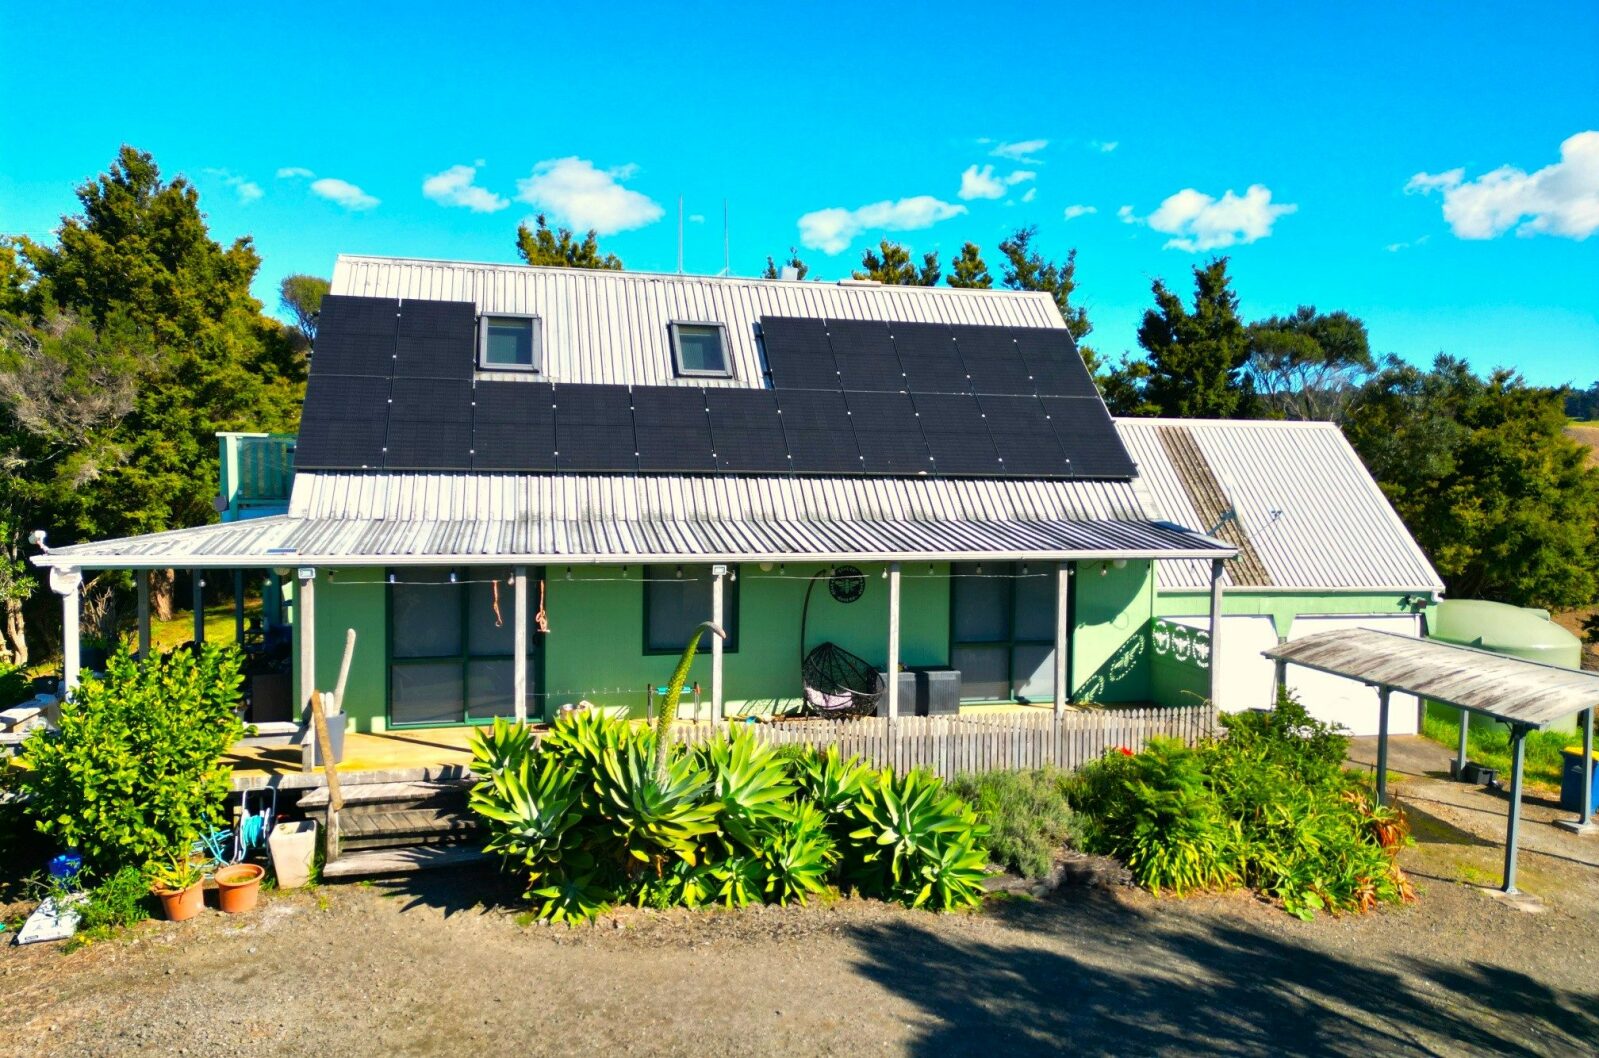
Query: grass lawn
(165,635)
(1491,746)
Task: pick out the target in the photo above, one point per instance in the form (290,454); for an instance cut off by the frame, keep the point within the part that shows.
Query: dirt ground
(442,964)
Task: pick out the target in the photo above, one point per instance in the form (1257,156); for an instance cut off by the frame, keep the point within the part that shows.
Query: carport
(1522,694)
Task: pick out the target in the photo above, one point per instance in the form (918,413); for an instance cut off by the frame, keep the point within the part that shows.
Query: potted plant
(238,886)
(178,885)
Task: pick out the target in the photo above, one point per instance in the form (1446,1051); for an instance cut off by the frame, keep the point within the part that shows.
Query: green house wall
(594,650)
(1282,607)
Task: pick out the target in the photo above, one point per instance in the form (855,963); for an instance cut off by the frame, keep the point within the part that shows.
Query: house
(523,487)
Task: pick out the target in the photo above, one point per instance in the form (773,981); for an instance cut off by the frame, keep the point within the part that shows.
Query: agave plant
(916,841)
(571,899)
(740,879)
(798,855)
(533,814)
(505,745)
(656,819)
(752,785)
(830,782)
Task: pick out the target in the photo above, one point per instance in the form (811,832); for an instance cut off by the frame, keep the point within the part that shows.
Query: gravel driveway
(442,966)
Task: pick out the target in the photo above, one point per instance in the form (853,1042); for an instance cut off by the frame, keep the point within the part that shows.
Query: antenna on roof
(679,234)
(727,253)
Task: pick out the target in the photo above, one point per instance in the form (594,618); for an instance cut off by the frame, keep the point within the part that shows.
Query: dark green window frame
(656,576)
(1010,642)
(466,656)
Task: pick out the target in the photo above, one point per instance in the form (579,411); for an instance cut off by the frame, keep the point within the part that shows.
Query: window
(450,645)
(509,343)
(700,350)
(673,605)
(1002,631)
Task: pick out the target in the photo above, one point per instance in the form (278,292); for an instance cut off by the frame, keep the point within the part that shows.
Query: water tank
(1508,630)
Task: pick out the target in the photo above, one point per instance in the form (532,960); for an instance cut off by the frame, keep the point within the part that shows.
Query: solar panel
(817,427)
(1054,362)
(353,353)
(430,399)
(1023,436)
(338,396)
(930,359)
(425,444)
(426,356)
(437,319)
(956,434)
(1088,437)
(864,353)
(513,426)
(798,354)
(889,433)
(672,429)
(993,360)
(746,432)
(340,443)
(346,314)
(594,428)
(513,402)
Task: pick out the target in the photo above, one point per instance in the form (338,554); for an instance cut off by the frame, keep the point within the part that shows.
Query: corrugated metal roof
(1311,512)
(602,326)
(1506,688)
(354,519)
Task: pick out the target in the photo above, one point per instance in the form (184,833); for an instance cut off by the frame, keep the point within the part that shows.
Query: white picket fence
(952,745)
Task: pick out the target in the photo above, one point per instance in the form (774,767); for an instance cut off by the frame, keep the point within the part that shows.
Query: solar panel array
(392,387)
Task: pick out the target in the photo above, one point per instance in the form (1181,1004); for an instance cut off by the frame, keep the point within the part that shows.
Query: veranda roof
(1512,690)
(375,519)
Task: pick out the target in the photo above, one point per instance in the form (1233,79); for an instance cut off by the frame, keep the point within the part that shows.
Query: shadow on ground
(1118,981)
(478,888)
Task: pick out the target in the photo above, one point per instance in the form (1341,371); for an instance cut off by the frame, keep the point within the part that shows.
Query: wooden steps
(372,863)
(412,823)
(389,792)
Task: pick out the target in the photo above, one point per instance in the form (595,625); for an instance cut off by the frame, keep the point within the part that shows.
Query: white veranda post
(1215,629)
(893,642)
(67,583)
(519,652)
(718,578)
(305,620)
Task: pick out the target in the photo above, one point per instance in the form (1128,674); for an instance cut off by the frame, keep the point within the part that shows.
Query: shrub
(598,814)
(1268,806)
(135,769)
(120,901)
(1027,815)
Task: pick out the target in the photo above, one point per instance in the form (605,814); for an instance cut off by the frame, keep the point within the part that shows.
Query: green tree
(1483,475)
(134,295)
(969,270)
(301,297)
(1197,357)
(549,247)
(774,270)
(1027,269)
(891,263)
(1308,365)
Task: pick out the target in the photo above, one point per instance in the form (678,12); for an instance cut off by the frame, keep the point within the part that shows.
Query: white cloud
(455,187)
(1021,151)
(1031,194)
(1395,247)
(1559,199)
(247,190)
(1104,146)
(294,172)
(1073,212)
(982,183)
(1196,221)
(696,218)
(586,197)
(342,193)
(830,230)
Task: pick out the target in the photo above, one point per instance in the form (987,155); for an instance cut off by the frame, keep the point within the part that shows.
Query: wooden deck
(390,756)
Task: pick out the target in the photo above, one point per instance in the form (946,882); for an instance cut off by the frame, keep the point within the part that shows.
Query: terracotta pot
(238,886)
(184,904)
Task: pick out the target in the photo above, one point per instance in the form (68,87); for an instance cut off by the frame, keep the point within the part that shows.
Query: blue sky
(1404,165)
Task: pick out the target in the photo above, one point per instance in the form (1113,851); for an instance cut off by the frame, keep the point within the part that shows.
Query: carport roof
(1509,689)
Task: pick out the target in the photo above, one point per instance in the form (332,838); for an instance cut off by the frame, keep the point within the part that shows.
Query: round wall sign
(846,584)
